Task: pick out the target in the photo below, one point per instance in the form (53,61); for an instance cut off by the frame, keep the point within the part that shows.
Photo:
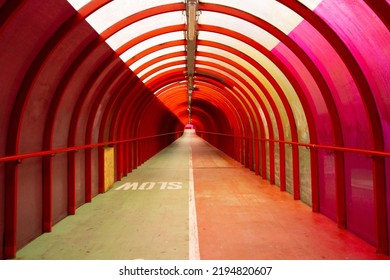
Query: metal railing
(21,157)
(307,145)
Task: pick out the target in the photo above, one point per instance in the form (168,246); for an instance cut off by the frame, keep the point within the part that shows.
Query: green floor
(144,216)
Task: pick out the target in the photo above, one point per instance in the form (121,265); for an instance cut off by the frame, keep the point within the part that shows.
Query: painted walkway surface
(153,213)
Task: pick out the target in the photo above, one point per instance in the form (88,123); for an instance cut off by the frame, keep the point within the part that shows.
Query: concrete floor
(147,215)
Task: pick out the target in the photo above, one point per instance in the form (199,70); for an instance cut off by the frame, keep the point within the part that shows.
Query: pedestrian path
(242,217)
(144,216)
(191,201)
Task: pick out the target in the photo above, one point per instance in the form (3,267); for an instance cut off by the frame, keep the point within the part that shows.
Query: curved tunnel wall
(64,87)
(304,105)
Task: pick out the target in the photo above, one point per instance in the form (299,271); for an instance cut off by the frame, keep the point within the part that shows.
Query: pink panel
(325,136)
(387,163)
(369,41)
(360,196)
(354,121)
(345,94)
(327,187)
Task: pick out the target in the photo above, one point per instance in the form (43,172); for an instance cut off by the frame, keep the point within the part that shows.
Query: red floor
(241,216)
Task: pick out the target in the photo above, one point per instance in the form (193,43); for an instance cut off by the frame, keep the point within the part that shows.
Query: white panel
(205,67)
(154,55)
(141,27)
(240,26)
(120,9)
(234,43)
(268,10)
(158,40)
(78,4)
(233,69)
(311,4)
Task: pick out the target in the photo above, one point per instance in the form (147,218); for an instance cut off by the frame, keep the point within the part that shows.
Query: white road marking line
(193,224)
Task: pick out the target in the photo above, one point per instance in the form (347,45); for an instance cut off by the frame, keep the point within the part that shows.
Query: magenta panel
(345,94)
(369,41)
(387,162)
(324,131)
(354,121)
(326,177)
(360,196)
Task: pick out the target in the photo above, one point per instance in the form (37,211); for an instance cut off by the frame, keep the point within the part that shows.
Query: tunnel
(298,92)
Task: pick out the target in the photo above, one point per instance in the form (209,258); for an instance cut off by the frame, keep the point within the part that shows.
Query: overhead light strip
(191,36)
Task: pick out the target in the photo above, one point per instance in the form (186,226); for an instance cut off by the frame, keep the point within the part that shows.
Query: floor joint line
(193,225)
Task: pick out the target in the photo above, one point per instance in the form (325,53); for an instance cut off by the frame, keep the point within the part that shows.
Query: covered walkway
(149,215)
(296,92)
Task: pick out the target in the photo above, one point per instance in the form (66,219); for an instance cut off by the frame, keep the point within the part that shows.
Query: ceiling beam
(191,37)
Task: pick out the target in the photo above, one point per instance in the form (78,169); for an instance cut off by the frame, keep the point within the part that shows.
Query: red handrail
(307,145)
(20,157)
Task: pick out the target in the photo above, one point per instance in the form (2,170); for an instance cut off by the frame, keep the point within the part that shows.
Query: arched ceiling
(255,50)
(313,72)
(308,71)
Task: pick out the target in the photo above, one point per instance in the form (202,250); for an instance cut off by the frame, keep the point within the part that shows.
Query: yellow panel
(109,168)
